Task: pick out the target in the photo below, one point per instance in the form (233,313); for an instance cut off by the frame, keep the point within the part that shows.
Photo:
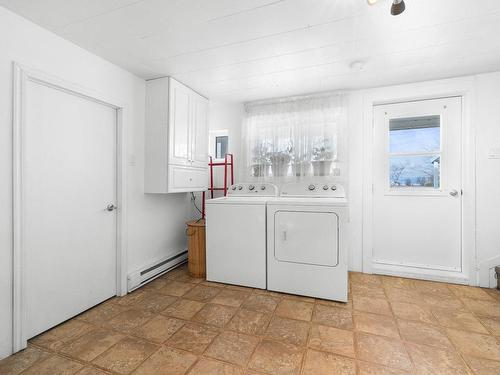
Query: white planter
(301,169)
(279,169)
(322,167)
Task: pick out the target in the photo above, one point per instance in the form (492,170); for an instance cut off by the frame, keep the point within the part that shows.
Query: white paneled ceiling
(244,50)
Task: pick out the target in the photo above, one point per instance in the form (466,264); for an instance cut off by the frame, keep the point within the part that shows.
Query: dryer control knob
(311,187)
(251,187)
(325,187)
(234,187)
(240,187)
(334,187)
(263,187)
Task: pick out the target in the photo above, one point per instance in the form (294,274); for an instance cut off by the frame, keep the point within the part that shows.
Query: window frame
(414,190)
(212,135)
(215,146)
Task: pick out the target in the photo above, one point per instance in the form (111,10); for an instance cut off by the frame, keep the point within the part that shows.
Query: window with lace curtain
(295,137)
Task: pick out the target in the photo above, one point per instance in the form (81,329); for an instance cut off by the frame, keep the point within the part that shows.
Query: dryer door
(306,237)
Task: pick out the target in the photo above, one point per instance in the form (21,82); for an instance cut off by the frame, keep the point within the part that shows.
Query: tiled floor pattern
(177,325)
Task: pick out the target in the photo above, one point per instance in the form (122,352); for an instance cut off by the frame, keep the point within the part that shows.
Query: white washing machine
(307,244)
(236,235)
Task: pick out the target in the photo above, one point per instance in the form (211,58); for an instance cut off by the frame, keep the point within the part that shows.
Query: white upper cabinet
(180,121)
(199,137)
(176,138)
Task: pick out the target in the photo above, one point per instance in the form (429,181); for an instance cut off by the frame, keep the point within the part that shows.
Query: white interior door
(69,177)
(417,196)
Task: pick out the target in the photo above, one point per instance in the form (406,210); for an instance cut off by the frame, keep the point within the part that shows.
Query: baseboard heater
(139,278)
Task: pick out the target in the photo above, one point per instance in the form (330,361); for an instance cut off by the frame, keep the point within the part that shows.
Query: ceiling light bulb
(398,7)
(372,2)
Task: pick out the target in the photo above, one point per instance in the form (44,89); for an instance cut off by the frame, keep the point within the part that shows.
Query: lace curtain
(296,138)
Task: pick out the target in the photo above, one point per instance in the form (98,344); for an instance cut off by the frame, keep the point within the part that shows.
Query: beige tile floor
(177,325)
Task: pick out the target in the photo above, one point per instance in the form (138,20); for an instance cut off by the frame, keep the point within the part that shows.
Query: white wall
(156,223)
(228,116)
(355,190)
(485,122)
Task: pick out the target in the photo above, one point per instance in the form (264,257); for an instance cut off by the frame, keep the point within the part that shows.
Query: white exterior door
(69,178)
(417,196)
(199,147)
(179,124)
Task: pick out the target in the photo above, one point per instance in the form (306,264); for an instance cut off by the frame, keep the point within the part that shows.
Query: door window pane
(415,171)
(415,134)
(221,146)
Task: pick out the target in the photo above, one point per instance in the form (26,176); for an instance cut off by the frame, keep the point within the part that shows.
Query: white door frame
(464,88)
(21,75)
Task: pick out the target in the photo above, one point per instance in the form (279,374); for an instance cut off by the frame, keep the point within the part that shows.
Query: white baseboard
(150,272)
(443,275)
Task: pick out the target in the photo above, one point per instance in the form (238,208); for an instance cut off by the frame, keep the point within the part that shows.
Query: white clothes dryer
(306,241)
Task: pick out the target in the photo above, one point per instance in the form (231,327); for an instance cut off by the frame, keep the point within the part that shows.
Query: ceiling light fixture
(357,65)
(398,7)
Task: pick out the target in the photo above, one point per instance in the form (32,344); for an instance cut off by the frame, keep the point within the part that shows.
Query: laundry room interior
(249,187)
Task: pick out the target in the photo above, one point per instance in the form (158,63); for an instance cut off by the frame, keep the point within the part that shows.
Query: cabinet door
(186,179)
(179,123)
(199,140)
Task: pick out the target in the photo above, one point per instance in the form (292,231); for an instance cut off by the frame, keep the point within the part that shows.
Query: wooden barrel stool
(196,248)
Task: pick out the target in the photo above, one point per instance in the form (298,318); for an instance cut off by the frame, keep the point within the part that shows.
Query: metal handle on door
(284,235)
(111,207)
(453,193)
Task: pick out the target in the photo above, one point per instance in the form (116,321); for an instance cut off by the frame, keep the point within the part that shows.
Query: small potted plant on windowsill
(279,161)
(260,162)
(300,165)
(322,160)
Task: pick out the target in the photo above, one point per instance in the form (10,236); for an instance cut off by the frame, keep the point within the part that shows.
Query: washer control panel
(313,189)
(253,189)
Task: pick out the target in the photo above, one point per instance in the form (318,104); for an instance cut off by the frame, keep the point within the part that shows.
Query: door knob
(453,193)
(111,207)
